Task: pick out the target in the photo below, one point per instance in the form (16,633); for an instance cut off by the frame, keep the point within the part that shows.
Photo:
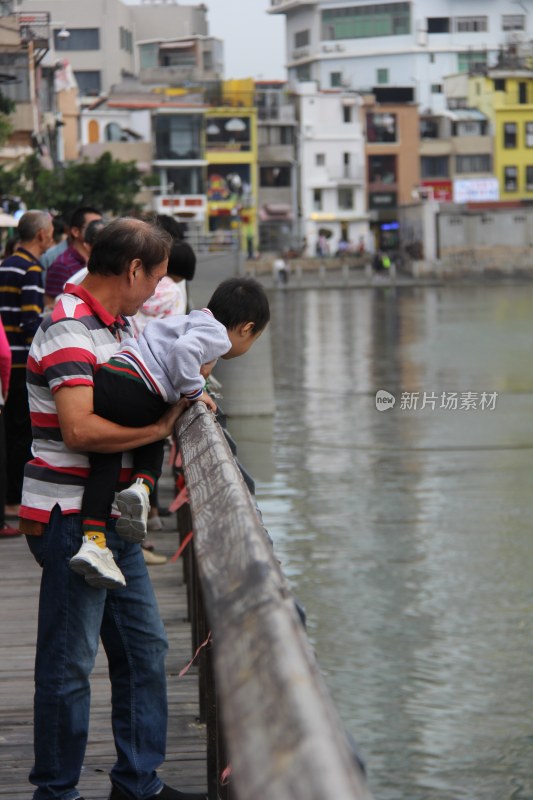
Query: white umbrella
(7,220)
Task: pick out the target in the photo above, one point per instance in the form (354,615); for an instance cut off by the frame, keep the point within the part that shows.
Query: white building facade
(399,51)
(332,167)
(109,41)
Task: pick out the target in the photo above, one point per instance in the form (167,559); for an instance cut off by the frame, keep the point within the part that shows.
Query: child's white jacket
(169,353)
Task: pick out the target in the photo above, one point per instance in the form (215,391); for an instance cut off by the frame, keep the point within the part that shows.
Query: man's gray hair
(31,223)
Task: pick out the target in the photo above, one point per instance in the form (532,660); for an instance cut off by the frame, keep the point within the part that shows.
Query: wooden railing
(271,724)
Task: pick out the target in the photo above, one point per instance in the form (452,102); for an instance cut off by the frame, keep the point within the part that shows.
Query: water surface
(407,533)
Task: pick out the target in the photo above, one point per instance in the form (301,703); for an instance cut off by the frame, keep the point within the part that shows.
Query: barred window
(471,24)
(360,22)
(473,163)
(302,38)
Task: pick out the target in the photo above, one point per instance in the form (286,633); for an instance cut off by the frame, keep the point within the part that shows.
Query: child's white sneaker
(98,566)
(134,505)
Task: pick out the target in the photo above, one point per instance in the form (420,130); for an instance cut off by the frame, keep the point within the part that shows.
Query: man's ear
(133,268)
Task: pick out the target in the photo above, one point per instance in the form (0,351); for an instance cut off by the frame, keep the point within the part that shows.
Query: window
(509,135)
(302,38)
(335,79)
(125,40)
(499,84)
(473,163)
(510,179)
(529,178)
(513,22)
(178,136)
(382,169)
(429,128)
(79,39)
(470,59)
(320,159)
(381,128)
(187,181)
(522,93)
(346,113)
(275,135)
(286,134)
(89,82)
(438,24)
(360,22)
(228,133)
(471,24)
(345,199)
(436,88)
(303,73)
(207,57)
(382,76)
(317,199)
(434,166)
(528,137)
(113,132)
(15,65)
(275,176)
(472,128)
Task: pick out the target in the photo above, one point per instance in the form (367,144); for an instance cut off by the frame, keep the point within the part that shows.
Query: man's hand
(168,420)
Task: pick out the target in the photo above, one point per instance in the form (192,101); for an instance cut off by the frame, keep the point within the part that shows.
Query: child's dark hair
(239,300)
(182,261)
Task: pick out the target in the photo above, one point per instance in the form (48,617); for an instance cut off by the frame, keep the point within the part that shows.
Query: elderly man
(74,257)
(88,323)
(21,308)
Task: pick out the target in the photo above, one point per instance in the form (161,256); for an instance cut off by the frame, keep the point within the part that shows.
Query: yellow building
(505,95)
(231,154)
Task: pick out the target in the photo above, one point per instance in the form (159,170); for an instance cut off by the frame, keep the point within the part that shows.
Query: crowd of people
(99,355)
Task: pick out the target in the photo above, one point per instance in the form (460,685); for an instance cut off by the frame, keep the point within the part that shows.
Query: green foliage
(5,128)
(106,184)
(7,106)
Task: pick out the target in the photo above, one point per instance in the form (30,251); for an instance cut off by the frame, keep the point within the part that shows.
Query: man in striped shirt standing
(83,331)
(21,308)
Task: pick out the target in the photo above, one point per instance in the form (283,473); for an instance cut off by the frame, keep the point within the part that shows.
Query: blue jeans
(72,618)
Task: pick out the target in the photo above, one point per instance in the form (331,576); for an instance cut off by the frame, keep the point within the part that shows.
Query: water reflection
(406,533)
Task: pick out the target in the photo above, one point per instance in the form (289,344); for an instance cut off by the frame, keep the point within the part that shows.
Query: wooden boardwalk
(185,767)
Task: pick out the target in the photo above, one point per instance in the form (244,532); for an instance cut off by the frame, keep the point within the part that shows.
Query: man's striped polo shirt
(21,302)
(68,348)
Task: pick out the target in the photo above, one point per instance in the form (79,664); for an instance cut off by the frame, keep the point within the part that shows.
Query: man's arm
(85,431)
(31,302)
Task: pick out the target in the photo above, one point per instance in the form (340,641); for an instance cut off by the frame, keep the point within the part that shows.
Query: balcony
(281,6)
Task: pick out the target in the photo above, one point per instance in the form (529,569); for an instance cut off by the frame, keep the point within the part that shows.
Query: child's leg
(94,560)
(133,503)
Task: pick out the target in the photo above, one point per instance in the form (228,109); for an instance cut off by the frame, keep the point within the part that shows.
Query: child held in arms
(170,360)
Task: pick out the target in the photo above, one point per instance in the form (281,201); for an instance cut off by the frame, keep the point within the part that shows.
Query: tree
(106,184)
(7,106)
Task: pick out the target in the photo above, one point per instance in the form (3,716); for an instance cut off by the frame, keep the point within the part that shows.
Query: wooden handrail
(283,735)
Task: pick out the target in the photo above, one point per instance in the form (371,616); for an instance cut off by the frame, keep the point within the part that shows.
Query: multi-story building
(456,155)
(277,199)
(404,47)
(108,41)
(505,95)
(164,134)
(392,165)
(24,41)
(231,154)
(331,154)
